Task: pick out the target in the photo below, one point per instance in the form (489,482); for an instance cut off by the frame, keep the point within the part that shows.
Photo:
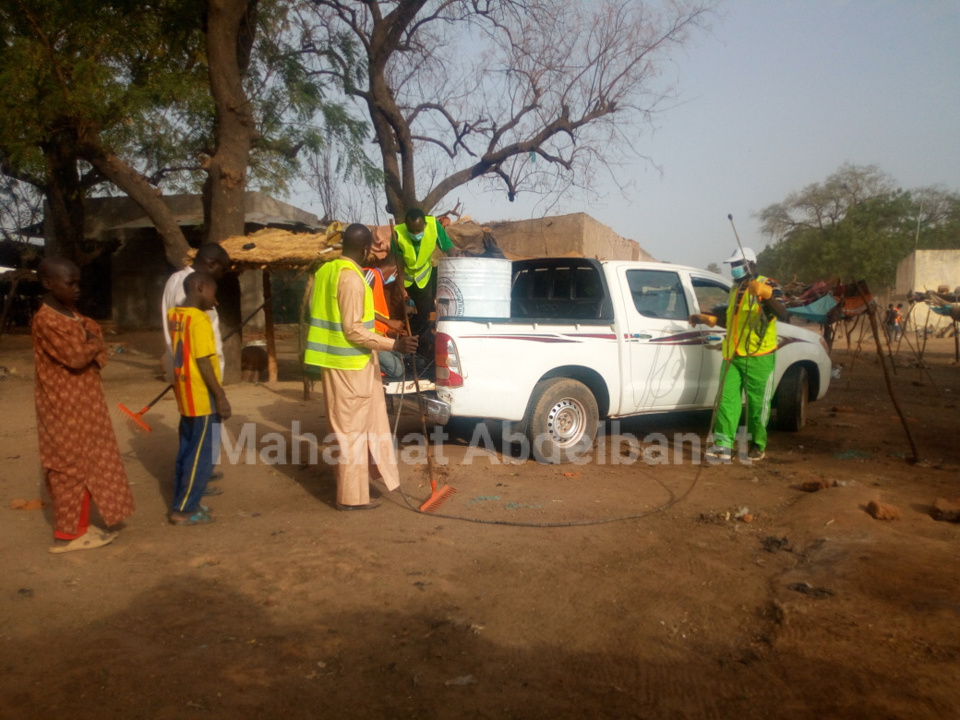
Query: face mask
(389,279)
(738,272)
(418,236)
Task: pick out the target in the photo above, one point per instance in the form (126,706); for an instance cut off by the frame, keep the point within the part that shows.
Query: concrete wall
(924,270)
(575,235)
(140,270)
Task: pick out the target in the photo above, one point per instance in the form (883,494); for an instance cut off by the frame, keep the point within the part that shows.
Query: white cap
(738,256)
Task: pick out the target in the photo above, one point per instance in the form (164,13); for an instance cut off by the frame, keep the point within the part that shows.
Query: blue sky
(779,95)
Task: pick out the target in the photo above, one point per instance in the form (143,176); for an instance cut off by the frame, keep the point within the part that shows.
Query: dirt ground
(285,606)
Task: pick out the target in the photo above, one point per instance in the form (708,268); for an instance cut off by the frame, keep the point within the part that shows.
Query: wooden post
(848,329)
(863,327)
(268,328)
(302,330)
(956,343)
(923,347)
(886,373)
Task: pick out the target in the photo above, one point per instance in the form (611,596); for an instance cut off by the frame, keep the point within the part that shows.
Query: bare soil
(286,607)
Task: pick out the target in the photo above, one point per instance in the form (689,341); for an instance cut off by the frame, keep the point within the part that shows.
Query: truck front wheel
(791,399)
(563,419)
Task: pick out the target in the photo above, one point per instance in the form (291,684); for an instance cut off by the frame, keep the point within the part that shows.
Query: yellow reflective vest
(749,331)
(327,345)
(418,265)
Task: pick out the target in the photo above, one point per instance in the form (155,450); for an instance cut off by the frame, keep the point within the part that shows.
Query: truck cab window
(658,294)
(710,293)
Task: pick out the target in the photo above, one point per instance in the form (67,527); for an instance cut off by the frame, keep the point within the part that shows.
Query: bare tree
(21,206)
(532,96)
(343,180)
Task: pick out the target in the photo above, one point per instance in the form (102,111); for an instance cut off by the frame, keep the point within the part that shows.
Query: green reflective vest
(327,345)
(749,332)
(417,265)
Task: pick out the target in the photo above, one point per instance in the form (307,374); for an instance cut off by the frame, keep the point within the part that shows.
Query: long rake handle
(229,335)
(416,376)
(153,402)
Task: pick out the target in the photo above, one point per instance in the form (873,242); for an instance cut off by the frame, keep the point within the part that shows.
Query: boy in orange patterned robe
(78,448)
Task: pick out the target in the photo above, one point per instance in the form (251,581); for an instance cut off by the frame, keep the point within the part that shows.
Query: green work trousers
(754,377)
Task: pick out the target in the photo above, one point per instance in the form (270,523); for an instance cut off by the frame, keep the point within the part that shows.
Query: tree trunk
(231,26)
(230,30)
(65,197)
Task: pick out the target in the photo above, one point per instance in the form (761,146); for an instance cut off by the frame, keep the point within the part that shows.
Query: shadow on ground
(196,647)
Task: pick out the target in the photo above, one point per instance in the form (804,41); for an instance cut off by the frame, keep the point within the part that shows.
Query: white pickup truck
(589,339)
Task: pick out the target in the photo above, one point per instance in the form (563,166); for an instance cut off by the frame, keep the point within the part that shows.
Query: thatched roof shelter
(276,249)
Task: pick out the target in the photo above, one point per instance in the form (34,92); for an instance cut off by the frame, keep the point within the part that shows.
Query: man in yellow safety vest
(415,240)
(342,342)
(749,348)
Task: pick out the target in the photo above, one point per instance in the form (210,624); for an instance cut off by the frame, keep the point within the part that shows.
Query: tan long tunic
(78,448)
(356,408)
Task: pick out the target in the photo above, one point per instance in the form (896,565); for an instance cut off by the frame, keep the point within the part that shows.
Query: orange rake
(137,417)
(437,497)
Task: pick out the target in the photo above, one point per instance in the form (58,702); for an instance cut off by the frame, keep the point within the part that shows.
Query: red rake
(137,417)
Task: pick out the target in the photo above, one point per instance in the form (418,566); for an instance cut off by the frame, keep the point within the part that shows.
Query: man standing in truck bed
(749,350)
(415,240)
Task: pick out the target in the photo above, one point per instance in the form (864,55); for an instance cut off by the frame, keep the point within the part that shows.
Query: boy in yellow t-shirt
(200,398)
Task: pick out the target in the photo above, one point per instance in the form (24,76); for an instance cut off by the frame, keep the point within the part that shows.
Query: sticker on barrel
(449,298)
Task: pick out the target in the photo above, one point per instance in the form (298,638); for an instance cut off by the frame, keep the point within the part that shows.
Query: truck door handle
(641,336)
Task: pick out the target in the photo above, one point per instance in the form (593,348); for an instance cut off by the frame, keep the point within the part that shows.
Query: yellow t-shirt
(191,335)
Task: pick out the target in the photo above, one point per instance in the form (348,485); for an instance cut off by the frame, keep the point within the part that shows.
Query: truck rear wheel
(791,398)
(563,419)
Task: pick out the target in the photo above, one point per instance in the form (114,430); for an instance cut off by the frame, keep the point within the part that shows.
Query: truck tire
(791,399)
(562,420)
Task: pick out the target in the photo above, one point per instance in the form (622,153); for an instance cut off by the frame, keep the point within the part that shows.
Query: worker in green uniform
(749,349)
(415,240)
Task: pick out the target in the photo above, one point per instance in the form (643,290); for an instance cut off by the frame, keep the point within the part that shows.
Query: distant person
(749,347)
(201,400)
(415,240)
(78,448)
(213,260)
(342,343)
(391,363)
(898,321)
(890,322)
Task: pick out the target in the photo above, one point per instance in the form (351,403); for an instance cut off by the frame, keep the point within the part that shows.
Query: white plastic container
(474,287)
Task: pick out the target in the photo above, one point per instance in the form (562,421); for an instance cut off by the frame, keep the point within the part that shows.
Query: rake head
(437,498)
(135,418)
